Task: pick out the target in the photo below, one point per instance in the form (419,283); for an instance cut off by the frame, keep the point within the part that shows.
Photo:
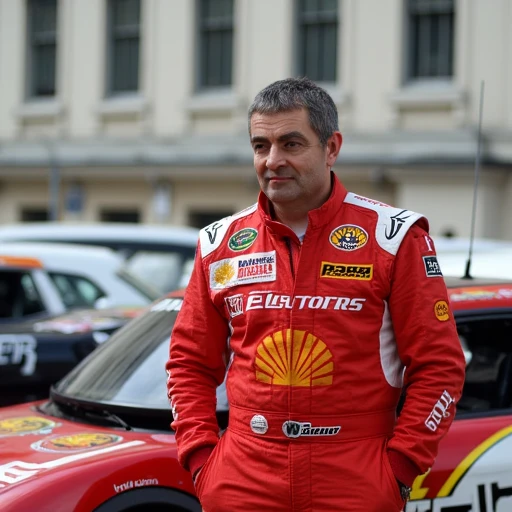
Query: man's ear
(333,147)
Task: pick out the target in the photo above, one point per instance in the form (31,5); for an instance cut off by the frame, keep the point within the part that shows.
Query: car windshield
(128,370)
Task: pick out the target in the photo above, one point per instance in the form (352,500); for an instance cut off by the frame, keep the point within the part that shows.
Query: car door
(473,470)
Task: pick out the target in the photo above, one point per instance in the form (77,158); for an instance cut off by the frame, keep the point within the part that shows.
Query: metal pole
(54,188)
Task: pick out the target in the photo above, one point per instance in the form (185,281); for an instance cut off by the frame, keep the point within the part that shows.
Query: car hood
(34,445)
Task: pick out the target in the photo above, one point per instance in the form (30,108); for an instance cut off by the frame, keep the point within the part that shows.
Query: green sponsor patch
(242,239)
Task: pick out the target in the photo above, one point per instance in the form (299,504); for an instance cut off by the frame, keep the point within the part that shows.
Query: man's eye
(258,148)
(292,144)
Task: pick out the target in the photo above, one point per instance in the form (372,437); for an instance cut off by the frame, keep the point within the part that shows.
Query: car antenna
(467,274)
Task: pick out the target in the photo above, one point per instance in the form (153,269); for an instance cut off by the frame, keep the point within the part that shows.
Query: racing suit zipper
(290,255)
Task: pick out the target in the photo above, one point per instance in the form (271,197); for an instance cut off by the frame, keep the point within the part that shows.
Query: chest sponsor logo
(253,268)
(26,425)
(240,303)
(348,237)
(432,268)
(442,310)
(346,271)
(296,429)
(242,239)
(397,221)
(294,358)
(16,349)
(75,442)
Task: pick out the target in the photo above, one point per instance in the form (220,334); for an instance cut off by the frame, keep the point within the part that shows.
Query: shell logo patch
(442,310)
(242,239)
(348,237)
(76,442)
(26,425)
(294,358)
(251,268)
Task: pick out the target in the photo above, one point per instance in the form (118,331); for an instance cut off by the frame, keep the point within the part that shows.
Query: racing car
(36,353)
(102,442)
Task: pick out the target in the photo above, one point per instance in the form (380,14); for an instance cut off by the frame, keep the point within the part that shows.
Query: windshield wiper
(104,414)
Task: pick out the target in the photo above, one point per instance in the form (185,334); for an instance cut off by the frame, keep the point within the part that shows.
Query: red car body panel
(75,475)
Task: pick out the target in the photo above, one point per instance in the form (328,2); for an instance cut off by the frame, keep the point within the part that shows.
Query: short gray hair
(295,94)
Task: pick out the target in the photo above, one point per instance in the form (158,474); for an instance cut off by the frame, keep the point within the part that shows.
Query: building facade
(135,110)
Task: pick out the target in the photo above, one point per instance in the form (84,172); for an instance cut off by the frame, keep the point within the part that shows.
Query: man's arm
(196,366)
(429,347)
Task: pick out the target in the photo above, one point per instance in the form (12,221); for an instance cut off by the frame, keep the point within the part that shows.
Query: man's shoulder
(212,235)
(391,223)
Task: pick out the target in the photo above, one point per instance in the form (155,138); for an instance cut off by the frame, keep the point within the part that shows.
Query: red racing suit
(315,338)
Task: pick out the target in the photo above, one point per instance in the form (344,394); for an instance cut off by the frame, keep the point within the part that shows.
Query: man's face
(292,166)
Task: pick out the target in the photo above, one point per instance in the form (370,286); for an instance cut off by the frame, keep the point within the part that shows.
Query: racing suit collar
(316,218)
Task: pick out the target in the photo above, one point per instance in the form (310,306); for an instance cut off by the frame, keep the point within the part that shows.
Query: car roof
(479,294)
(63,256)
(101,231)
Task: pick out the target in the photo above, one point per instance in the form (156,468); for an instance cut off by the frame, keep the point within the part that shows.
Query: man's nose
(275,158)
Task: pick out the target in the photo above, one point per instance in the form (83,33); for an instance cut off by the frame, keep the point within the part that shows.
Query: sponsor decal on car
(75,442)
(481,294)
(240,303)
(442,310)
(294,429)
(132,484)
(252,268)
(346,271)
(242,239)
(294,358)
(348,237)
(471,486)
(432,268)
(18,471)
(16,349)
(22,425)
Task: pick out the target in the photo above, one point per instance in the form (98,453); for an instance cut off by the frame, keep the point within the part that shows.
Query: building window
(318,39)
(216,43)
(34,215)
(42,47)
(431,35)
(128,215)
(124,47)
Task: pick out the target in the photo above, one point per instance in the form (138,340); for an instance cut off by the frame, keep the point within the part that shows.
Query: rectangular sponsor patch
(258,267)
(432,267)
(346,271)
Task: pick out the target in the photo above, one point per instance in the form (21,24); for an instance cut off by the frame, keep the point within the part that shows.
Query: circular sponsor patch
(242,239)
(442,310)
(259,424)
(348,237)
(76,442)
(25,425)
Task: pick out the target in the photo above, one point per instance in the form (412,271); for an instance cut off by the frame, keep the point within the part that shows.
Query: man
(314,300)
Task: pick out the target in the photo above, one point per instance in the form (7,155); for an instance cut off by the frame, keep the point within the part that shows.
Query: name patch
(252,268)
(344,271)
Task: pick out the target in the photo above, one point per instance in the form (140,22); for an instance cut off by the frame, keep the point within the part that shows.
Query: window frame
(111,89)
(203,84)
(432,8)
(35,41)
(323,18)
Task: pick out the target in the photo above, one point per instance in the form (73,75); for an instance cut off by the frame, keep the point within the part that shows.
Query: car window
(488,384)
(76,291)
(19,296)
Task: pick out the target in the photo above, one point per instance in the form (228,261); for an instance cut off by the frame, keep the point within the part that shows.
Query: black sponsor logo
(344,271)
(294,429)
(397,221)
(212,231)
(432,267)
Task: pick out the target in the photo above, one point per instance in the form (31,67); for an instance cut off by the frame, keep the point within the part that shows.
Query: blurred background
(135,110)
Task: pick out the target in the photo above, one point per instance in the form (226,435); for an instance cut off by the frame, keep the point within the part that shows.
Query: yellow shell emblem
(224,273)
(348,237)
(294,358)
(24,425)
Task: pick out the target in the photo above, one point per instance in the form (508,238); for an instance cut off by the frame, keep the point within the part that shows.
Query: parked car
(102,442)
(38,279)
(37,353)
(490,258)
(160,255)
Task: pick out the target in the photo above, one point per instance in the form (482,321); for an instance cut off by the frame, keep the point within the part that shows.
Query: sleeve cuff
(197,459)
(403,468)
